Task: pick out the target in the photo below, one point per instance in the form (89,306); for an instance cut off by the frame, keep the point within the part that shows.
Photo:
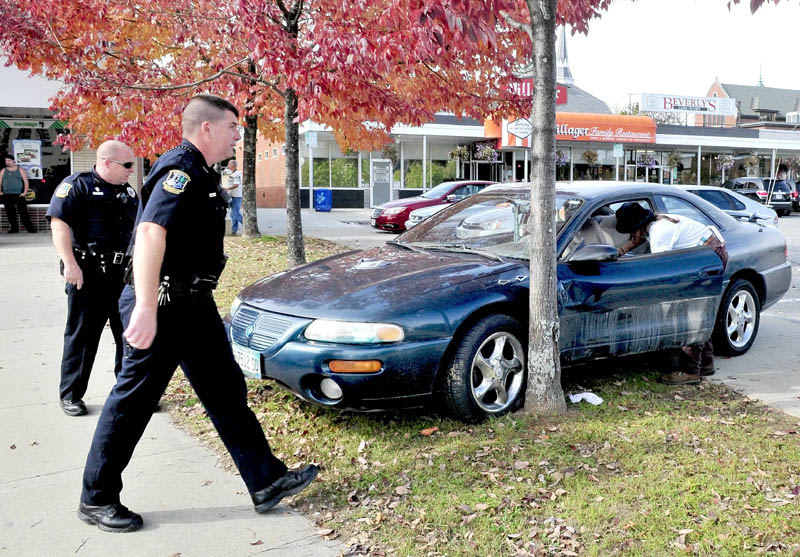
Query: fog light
(354,366)
(330,389)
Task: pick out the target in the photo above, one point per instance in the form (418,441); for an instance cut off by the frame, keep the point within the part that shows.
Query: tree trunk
(249,214)
(544,394)
(294,225)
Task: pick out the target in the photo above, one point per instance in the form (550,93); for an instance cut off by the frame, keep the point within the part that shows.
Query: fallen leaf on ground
(429,431)
(257,542)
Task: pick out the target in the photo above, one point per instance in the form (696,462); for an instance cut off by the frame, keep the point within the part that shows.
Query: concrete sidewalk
(190,505)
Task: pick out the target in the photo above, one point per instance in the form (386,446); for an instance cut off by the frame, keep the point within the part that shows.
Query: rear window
(716,198)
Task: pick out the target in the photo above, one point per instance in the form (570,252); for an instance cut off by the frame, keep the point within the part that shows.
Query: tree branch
(518,24)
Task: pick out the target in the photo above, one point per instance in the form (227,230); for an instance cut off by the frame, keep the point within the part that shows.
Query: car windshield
(438,191)
(491,224)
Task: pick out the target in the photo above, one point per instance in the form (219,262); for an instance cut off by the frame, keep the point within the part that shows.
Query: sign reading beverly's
(652,102)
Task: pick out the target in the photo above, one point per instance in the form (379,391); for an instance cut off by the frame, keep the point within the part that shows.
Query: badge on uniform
(176,181)
(63,189)
(131,192)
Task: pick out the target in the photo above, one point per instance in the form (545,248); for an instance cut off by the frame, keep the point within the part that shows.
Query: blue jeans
(236,214)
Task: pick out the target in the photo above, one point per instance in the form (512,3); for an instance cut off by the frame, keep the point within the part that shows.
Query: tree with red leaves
(128,69)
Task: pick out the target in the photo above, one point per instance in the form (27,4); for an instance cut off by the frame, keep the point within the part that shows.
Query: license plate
(372,222)
(249,360)
(778,196)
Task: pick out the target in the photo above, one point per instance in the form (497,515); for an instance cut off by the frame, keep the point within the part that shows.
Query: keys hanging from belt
(163,292)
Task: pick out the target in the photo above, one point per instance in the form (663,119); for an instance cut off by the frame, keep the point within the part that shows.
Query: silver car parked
(735,204)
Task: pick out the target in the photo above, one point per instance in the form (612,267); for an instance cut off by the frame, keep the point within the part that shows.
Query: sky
(679,46)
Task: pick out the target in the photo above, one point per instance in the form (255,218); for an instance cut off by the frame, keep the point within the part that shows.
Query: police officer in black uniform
(92,215)
(170,319)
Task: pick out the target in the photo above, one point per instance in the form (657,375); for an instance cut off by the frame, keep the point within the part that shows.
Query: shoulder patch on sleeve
(176,181)
(63,189)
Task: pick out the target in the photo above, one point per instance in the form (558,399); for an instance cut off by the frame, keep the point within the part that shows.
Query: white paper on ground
(591,398)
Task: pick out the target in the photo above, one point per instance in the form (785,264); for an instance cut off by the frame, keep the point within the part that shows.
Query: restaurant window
(593,163)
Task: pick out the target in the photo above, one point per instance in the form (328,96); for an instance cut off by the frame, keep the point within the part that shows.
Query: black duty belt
(103,258)
(197,287)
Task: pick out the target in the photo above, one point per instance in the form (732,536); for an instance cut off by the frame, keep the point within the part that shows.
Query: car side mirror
(594,252)
(450,198)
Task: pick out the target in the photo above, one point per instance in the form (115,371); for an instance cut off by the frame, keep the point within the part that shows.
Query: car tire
(485,373)
(738,319)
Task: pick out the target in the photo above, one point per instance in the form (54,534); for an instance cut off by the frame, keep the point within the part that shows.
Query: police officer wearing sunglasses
(170,319)
(92,214)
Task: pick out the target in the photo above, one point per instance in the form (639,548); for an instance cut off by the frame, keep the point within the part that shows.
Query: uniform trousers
(189,333)
(88,310)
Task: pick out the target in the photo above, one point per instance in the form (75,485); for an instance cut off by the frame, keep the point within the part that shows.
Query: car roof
(587,189)
(487,182)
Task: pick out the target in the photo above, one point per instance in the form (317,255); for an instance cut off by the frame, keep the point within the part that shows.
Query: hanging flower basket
(647,160)
(674,159)
(485,152)
(561,158)
(751,163)
(589,157)
(390,152)
(724,162)
(460,152)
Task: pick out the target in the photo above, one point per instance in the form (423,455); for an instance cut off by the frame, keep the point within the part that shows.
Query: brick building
(270,171)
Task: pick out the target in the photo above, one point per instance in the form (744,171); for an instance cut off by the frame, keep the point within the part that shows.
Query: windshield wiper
(463,248)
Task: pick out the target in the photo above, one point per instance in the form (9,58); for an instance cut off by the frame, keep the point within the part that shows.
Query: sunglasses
(127,165)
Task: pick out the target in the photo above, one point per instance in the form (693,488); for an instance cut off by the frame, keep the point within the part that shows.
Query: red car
(393,215)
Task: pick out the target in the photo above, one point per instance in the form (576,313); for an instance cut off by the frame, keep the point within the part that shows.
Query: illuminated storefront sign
(570,126)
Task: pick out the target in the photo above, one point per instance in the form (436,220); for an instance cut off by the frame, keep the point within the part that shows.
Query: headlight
(394,210)
(235,306)
(353,333)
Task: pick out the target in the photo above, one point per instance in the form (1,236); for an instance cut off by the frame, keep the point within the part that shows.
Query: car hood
(408,201)
(383,282)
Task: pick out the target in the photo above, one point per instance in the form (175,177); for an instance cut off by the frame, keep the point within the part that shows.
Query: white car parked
(418,215)
(735,204)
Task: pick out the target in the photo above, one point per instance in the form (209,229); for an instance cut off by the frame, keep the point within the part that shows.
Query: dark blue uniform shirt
(182,194)
(95,211)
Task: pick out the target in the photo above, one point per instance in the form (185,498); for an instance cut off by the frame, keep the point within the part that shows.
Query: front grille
(267,328)
(376,212)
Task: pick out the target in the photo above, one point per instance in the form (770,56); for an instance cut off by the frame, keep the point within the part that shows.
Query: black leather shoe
(290,483)
(110,518)
(73,407)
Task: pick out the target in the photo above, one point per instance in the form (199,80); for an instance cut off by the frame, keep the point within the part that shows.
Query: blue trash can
(323,199)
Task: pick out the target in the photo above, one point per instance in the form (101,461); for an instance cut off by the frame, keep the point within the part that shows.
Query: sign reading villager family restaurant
(573,126)
(680,103)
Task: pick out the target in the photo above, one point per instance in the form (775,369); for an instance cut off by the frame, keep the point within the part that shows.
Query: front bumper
(406,378)
(392,223)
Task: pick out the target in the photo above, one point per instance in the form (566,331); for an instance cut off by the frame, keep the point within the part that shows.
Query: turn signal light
(355,366)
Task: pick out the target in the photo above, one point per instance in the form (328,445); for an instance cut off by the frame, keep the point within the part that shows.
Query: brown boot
(680,378)
(707,370)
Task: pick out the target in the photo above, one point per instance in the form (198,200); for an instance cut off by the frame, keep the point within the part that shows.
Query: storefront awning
(571,126)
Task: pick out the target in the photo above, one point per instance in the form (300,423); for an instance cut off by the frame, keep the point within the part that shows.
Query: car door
(637,303)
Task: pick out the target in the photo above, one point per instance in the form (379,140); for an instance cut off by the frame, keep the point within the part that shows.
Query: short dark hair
(10,157)
(205,108)
(783,168)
